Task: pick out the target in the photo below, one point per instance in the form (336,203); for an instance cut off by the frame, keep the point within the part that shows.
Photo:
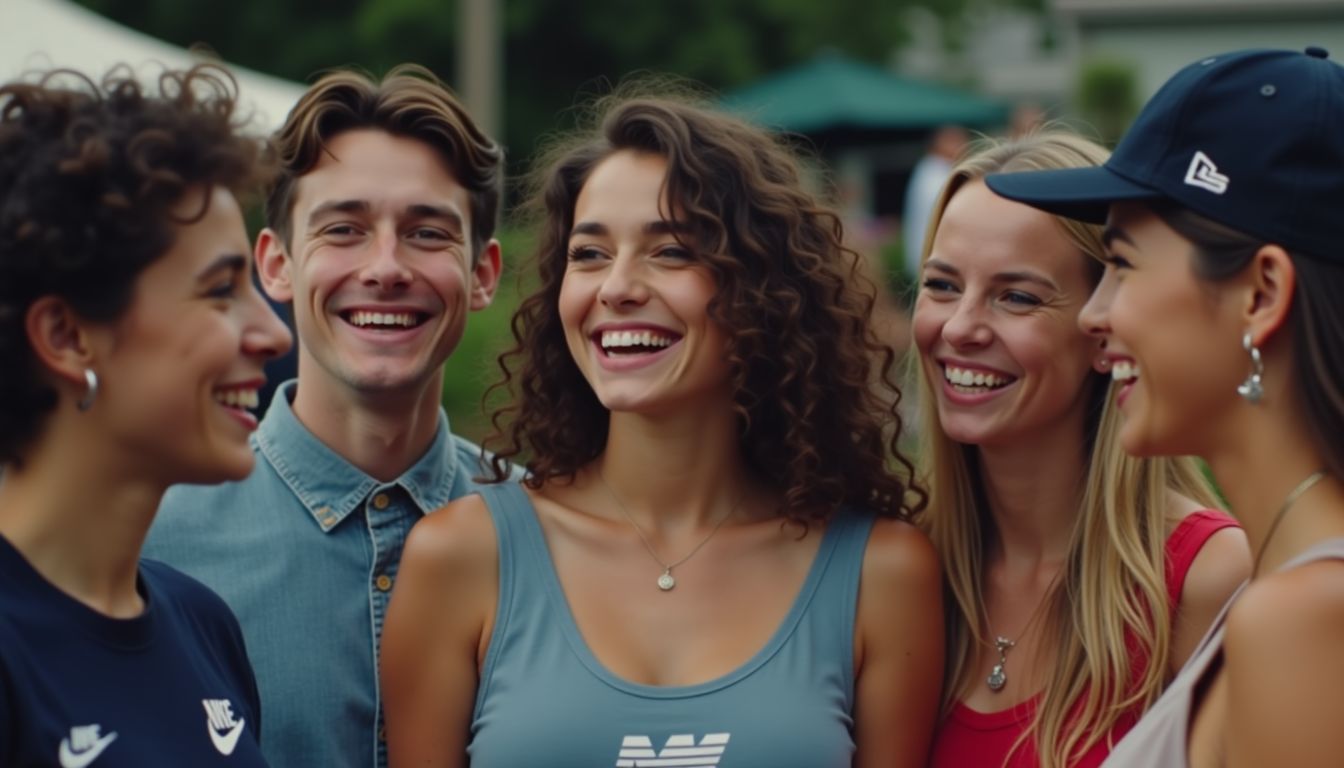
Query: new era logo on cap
(1272,119)
(1204,174)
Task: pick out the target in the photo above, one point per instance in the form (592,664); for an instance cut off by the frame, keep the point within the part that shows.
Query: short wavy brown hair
(813,386)
(89,176)
(409,102)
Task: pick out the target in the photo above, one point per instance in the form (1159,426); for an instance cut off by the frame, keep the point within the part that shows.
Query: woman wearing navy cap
(1221,314)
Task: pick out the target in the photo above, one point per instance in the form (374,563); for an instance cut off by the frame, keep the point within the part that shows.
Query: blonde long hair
(1112,587)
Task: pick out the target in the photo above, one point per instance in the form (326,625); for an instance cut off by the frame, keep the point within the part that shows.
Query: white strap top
(1161,738)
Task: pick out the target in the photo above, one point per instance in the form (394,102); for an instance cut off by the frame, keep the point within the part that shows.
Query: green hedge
(472,368)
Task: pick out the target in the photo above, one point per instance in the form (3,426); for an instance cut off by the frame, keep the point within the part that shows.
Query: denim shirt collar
(330,487)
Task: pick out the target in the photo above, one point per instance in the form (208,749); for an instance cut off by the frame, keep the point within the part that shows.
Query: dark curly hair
(409,101)
(89,176)
(813,386)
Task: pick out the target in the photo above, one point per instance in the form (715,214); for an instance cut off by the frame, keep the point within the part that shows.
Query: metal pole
(480,63)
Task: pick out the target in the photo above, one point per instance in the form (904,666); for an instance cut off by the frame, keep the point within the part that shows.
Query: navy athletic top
(171,687)
(544,699)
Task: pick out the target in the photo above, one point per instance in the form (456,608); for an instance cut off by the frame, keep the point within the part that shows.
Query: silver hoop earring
(1251,388)
(91,381)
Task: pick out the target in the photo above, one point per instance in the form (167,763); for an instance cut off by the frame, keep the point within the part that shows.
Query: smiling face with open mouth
(996,321)
(634,301)
(180,382)
(381,275)
(1171,342)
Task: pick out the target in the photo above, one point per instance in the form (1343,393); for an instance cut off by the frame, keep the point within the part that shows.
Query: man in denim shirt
(379,235)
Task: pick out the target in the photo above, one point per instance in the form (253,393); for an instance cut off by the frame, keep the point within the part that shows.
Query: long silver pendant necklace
(666,581)
(997,678)
(998,675)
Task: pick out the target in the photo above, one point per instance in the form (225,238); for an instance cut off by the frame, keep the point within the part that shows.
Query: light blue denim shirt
(305,551)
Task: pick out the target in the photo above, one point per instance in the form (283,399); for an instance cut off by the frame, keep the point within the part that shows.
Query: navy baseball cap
(1253,140)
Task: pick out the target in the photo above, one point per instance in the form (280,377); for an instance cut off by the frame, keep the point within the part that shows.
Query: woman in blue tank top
(132,344)
(710,562)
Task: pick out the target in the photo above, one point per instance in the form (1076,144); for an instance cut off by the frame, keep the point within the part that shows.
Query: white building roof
(43,34)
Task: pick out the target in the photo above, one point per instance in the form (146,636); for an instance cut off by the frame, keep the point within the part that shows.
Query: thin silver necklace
(998,676)
(666,581)
(1293,495)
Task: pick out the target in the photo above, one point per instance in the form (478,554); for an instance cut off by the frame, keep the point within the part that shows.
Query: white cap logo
(1203,173)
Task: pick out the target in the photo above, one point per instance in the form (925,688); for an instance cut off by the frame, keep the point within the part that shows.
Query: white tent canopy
(42,34)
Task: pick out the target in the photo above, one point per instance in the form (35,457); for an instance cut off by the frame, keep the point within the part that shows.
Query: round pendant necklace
(666,581)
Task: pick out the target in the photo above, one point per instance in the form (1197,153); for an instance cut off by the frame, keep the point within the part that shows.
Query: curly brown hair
(409,101)
(89,176)
(814,388)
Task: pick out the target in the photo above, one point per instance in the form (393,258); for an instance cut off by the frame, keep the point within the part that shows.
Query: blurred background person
(1027,118)
(921,192)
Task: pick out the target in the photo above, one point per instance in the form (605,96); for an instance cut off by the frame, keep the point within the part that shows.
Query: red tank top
(970,738)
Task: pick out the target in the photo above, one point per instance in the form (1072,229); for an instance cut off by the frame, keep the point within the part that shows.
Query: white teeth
(619,339)
(365,319)
(238,398)
(964,377)
(1124,370)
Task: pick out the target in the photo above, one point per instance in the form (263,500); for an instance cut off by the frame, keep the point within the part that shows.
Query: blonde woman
(1079,579)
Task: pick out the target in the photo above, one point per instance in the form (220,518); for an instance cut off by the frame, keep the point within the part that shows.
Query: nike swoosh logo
(227,742)
(72,759)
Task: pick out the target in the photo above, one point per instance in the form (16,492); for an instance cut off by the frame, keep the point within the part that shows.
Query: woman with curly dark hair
(132,342)
(711,555)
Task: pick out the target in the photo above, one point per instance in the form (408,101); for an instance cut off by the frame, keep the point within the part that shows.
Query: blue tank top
(545,699)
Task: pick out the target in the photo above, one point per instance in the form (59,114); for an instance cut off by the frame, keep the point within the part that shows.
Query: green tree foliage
(1108,96)
(554,51)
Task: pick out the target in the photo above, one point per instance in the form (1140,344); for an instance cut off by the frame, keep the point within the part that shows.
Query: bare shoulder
(1299,608)
(901,583)
(450,558)
(1283,663)
(1220,567)
(457,536)
(430,657)
(898,647)
(1223,563)
(900,555)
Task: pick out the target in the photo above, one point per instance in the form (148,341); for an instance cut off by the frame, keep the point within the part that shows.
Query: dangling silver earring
(1251,388)
(91,381)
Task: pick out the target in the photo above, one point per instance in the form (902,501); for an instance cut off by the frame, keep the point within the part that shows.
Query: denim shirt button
(325,517)
(380,501)
(383,582)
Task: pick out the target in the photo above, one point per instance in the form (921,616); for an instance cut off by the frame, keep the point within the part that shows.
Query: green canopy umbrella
(835,93)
